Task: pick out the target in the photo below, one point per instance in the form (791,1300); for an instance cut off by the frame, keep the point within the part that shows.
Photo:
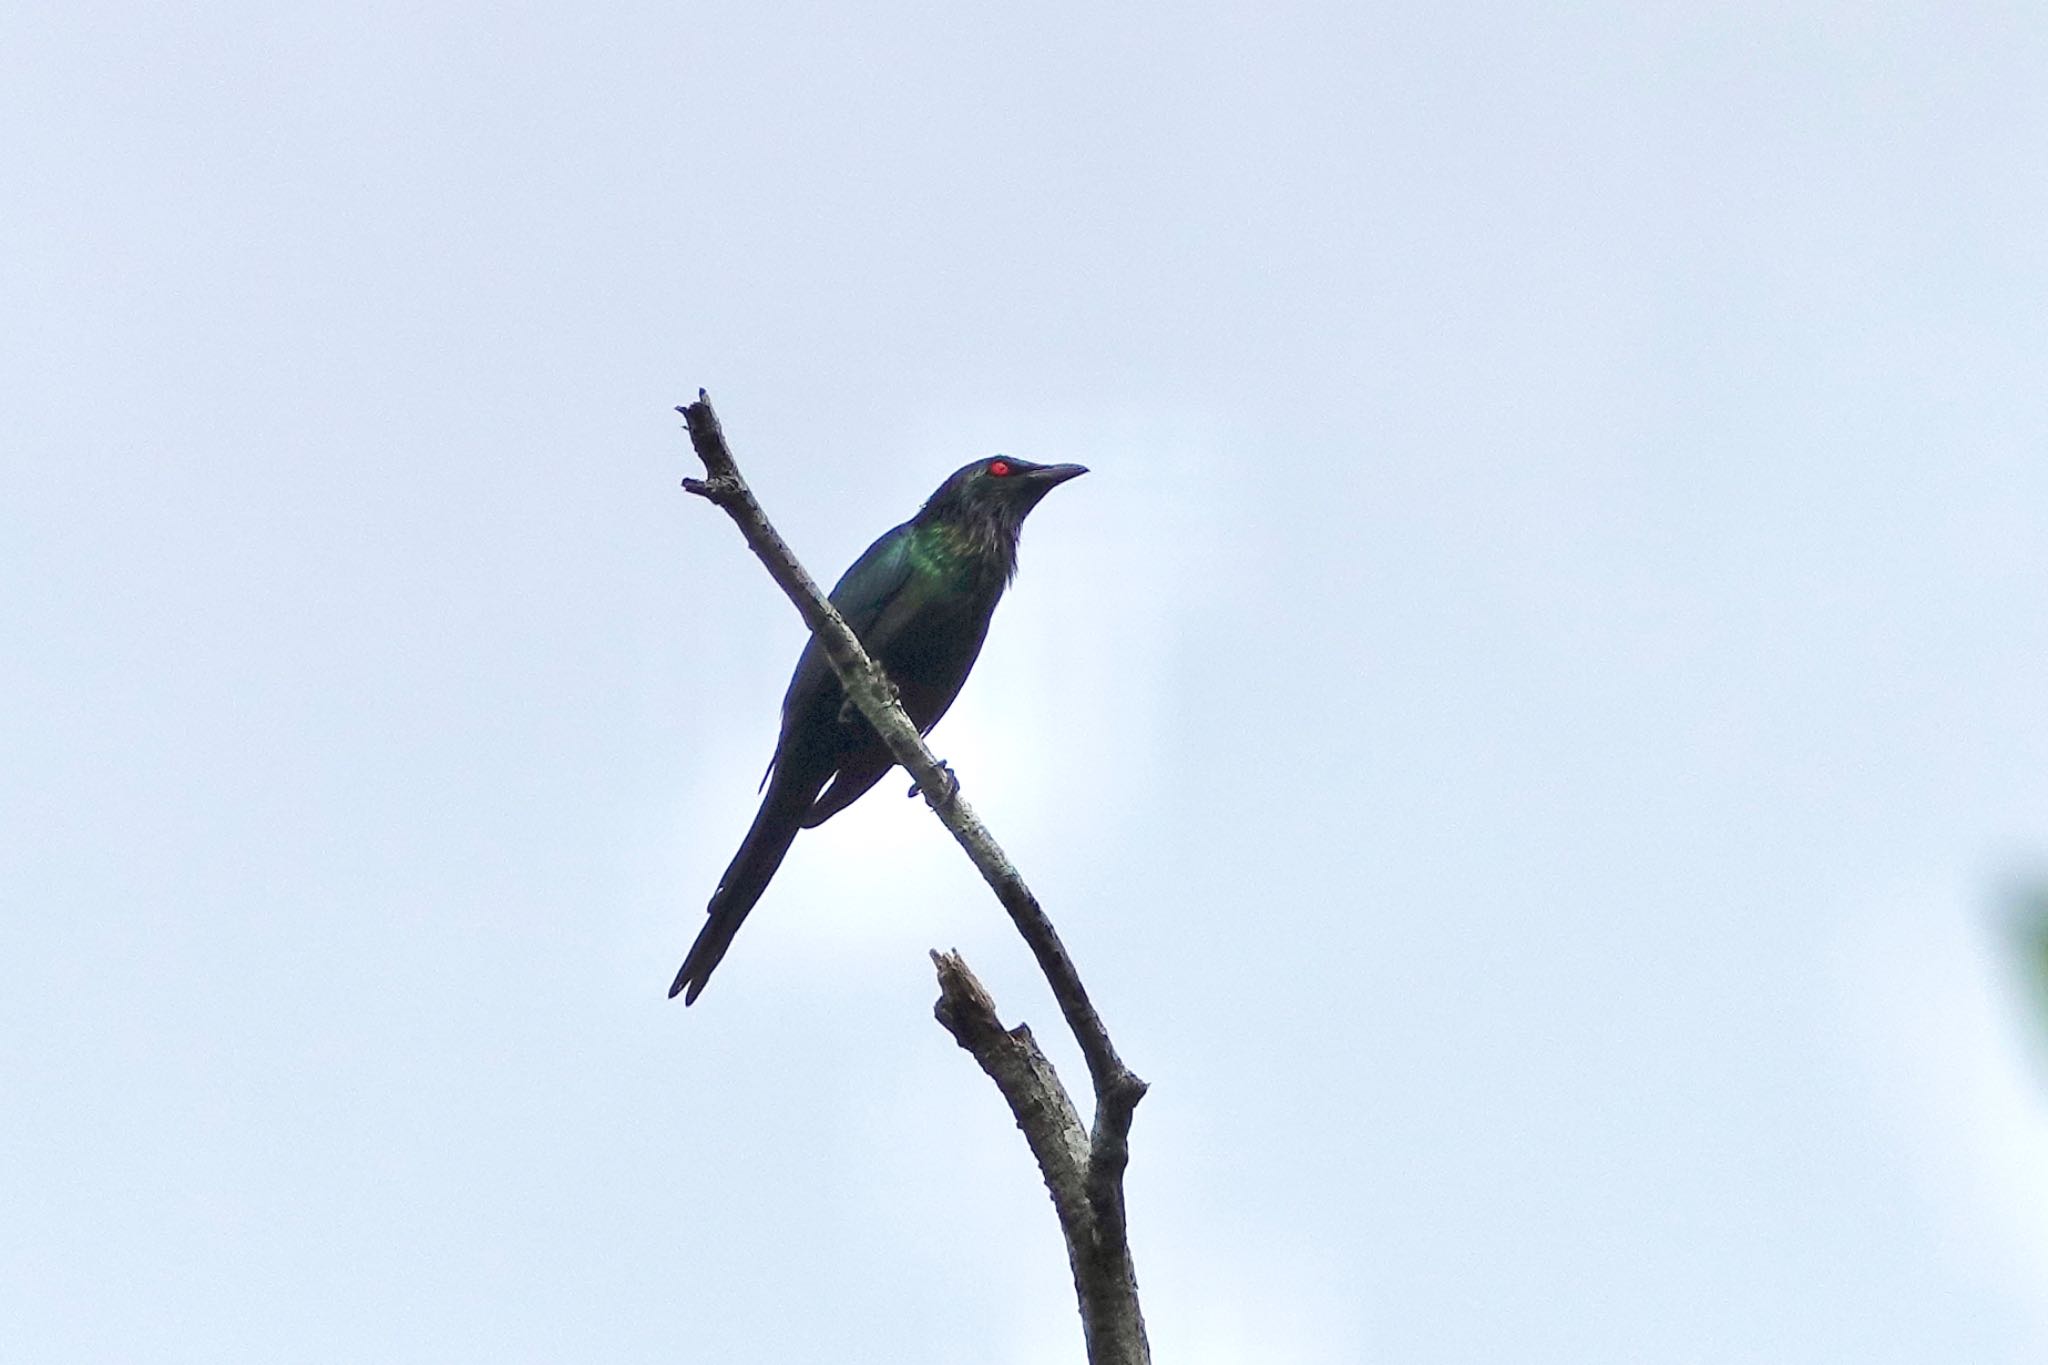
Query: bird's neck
(968,554)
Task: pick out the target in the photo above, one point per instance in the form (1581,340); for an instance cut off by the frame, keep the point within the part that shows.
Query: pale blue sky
(1523,728)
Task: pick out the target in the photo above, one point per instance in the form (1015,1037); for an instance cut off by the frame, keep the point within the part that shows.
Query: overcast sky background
(1525,728)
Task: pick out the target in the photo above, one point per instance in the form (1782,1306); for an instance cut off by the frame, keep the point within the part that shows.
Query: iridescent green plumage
(920,600)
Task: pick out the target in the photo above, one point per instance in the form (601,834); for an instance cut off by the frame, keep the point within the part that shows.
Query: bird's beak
(1048,475)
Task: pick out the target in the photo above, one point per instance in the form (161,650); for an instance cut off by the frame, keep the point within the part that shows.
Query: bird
(919,599)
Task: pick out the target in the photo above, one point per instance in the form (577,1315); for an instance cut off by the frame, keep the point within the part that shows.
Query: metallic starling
(920,601)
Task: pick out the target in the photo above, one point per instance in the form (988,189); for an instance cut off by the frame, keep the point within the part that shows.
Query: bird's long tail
(761,852)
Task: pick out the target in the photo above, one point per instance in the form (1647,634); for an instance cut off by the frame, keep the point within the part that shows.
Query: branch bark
(1083,1168)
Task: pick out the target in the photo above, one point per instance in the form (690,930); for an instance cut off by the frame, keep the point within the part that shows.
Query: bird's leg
(952,782)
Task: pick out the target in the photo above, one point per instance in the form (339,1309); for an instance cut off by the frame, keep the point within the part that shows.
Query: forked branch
(1083,1169)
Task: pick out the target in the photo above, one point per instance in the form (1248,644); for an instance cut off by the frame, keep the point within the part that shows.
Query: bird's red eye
(999,468)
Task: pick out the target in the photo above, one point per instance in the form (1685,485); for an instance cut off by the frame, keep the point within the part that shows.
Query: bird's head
(1002,489)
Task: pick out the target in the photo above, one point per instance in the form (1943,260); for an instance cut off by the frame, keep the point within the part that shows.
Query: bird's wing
(862,594)
(871,584)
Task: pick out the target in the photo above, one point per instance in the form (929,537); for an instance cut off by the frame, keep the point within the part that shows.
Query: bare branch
(870,690)
(1030,1086)
(1097,1250)
(1083,1172)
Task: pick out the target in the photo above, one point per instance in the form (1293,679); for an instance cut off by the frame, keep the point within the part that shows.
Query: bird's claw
(849,710)
(952,782)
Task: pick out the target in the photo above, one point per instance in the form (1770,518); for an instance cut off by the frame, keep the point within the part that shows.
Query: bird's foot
(952,782)
(849,710)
